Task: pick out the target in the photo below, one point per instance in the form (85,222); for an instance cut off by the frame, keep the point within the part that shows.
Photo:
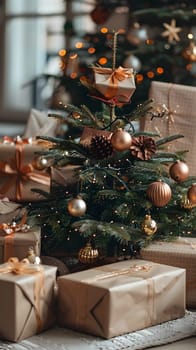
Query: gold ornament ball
(186,203)
(179,171)
(149,226)
(159,193)
(191,194)
(88,255)
(121,140)
(32,257)
(77,207)
(40,163)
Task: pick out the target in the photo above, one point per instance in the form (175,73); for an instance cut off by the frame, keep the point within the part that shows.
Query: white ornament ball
(132,62)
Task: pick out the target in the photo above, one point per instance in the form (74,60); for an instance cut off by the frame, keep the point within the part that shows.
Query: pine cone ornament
(101,147)
(142,147)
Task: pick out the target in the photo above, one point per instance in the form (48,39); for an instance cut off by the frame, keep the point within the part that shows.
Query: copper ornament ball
(179,171)
(191,194)
(121,140)
(159,193)
(77,207)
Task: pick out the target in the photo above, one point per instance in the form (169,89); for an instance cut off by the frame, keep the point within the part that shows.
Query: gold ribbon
(115,76)
(23,267)
(20,173)
(116,273)
(183,240)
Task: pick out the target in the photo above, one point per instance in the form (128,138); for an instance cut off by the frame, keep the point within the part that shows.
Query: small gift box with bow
(180,253)
(114,85)
(19,171)
(27,299)
(120,298)
(15,239)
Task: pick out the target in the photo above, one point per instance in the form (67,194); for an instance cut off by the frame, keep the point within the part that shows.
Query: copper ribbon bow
(115,76)
(20,173)
(8,230)
(23,267)
(16,140)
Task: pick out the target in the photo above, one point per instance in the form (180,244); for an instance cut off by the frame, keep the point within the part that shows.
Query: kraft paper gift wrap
(180,100)
(26,302)
(39,124)
(118,83)
(9,210)
(17,243)
(66,176)
(180,253)
(122,297)
(17,174)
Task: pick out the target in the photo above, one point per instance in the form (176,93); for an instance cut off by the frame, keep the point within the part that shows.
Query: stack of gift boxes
(105,301)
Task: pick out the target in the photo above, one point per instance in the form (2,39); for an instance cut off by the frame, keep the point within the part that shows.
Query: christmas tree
(157,40)
(121,188)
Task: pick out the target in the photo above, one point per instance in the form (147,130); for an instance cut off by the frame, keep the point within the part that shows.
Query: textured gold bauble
(40,163)
(149,226)
(186,204)
(159,193)
(191,194)
(121,140)
(88,255)
(179,171)
(76,207)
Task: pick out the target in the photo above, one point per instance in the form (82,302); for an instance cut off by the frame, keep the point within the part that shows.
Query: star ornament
(171,31)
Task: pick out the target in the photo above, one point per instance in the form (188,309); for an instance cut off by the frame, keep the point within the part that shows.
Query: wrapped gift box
(118,83)
(180,102)
(9,211)
(18,176)
(17,243)
(181,253)
(66,176)
(26,301)
(39,124)
(122,297)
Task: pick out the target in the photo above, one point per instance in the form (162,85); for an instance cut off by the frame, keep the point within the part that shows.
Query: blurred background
(46,46)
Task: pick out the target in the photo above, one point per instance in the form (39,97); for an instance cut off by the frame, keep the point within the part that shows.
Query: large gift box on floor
(19,173)
(120,298)
(26,299)
(180,102)
(17,243)
(180,253)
